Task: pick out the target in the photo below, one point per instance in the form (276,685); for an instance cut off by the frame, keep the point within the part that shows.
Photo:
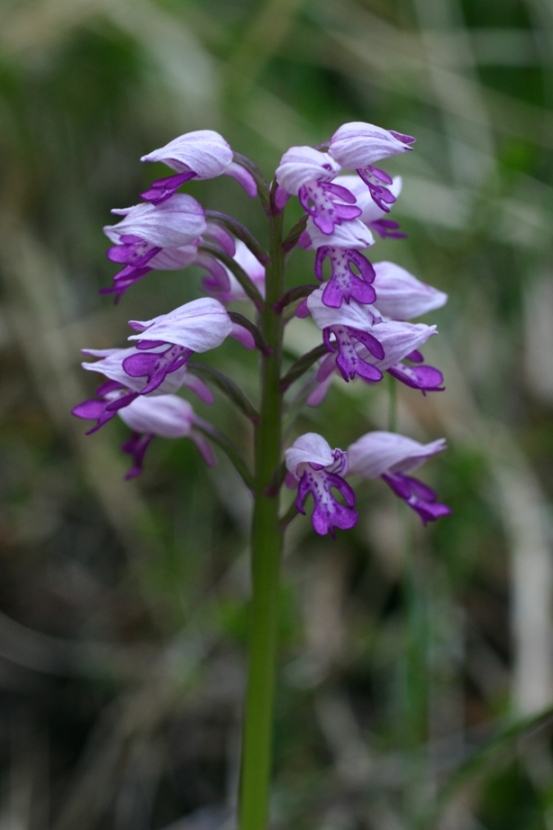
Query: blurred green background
(124,605)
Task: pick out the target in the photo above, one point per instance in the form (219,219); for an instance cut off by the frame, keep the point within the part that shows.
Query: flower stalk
(266,549)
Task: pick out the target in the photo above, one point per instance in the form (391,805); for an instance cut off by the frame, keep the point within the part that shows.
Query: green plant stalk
(266,547)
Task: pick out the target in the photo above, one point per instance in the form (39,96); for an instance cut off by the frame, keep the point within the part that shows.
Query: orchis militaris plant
(363,311)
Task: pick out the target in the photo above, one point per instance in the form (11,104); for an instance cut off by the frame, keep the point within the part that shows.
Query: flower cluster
(363,310)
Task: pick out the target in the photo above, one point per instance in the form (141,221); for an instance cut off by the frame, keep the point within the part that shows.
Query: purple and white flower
(146,229)
(121,389)
(166,415)
(307,173)
(201,154)
(197,326)
(111,362)
(317,470)
(390,456)
(358,145)
(176,259)
(343,328)
(398,340)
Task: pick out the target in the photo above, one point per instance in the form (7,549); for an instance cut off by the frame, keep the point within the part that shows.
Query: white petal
(111,366)
(358,144)
(402,296)
(165,415)
(383,452)
(203,151)
(200,325)
(171,224)
(353,314)
(352,234)
(310,448)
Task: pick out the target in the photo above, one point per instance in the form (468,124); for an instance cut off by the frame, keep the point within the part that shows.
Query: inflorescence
(363,310)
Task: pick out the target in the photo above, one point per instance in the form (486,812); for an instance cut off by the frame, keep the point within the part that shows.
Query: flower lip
(377,453)
(300,165)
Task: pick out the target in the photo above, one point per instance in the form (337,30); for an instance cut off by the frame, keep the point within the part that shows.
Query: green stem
(266,553)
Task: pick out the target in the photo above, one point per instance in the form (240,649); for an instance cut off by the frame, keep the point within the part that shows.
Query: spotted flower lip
(199,326)
(358,144)
(317,470)
(300,165)
(202,154)
(390,456)
(401,296)
(167,416)
(398,341)
(176,222)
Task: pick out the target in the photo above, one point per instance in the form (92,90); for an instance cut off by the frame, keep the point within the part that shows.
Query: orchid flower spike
(166,415)
(317,470)
(307,173)
(357,145)
(146,229)
(201,154)
(390,456)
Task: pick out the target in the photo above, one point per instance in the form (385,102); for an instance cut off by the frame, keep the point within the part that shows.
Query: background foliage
(124,605)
